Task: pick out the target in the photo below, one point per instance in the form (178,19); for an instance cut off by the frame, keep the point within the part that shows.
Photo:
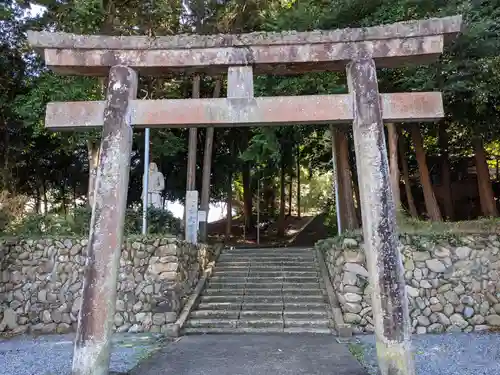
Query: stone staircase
(263,291)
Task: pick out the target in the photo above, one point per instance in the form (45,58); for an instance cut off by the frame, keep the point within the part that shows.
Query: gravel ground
(445,354)
(51,355)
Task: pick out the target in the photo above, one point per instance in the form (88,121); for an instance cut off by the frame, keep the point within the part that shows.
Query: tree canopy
(52,169)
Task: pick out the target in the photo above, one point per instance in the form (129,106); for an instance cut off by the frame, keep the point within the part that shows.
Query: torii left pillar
(95,320)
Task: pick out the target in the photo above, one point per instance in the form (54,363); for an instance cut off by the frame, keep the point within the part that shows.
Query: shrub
(330,218)
(77,223)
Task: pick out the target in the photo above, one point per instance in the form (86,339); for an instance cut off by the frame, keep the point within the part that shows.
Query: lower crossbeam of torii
(359,51)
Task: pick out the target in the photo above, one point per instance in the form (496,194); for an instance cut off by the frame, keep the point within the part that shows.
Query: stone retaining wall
(41,283)
(453,283)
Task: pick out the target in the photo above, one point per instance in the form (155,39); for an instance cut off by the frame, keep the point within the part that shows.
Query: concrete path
(253,355)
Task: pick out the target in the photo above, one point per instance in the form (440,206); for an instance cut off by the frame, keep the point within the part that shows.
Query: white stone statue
(156,184)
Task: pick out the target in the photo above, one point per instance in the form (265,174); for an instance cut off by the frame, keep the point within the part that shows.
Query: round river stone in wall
(463,252)
(352,297)
(435,265)
(356,269)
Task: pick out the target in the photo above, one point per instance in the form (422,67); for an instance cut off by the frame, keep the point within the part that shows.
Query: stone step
(255,306)
(316,314)
(264,280)
(262,299)
(289,306)
(262,306)
(315,330)
(223,292)
(302,292)
(255,314)
(215,314)
(306,322)
(225,298)
(277,273)
(283,285)
(212,323)
(239,330)
(266,274)
(263,292)
(269,253)
(254,330)
(271,259)
(261,322)
(281,267)
(219,306)
(265,259)
(301,299)
(267,267)
(283,292)
(267,256)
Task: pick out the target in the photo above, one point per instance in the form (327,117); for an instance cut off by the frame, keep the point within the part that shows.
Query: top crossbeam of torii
(415,42)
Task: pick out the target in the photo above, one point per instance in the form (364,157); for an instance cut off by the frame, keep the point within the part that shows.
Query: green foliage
(160,222)
(54,167)
(330,221)
(358,351)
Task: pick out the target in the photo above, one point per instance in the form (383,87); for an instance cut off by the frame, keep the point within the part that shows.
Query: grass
(415,226)
(408,225)
(357,351)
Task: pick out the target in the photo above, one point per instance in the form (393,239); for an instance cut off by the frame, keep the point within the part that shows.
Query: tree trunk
(497,173)
(193,142)
(273,201)
(247,196)
(290,196)
(45,198)
(281,221)
(486,195)
(207,168)
(93,156)
(431,204)
(298,181)
(445,171)
(393,163)
(6,172)
(337,181)
(63,199)
(74,187)
(355,182)
(192,148)
(346,194)
(229,206)
(406,178)
(38,199)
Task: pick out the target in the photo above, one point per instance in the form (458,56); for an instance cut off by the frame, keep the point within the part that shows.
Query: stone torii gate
(360,51)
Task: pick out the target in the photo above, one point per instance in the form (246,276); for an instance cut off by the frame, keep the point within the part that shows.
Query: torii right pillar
(385,266)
